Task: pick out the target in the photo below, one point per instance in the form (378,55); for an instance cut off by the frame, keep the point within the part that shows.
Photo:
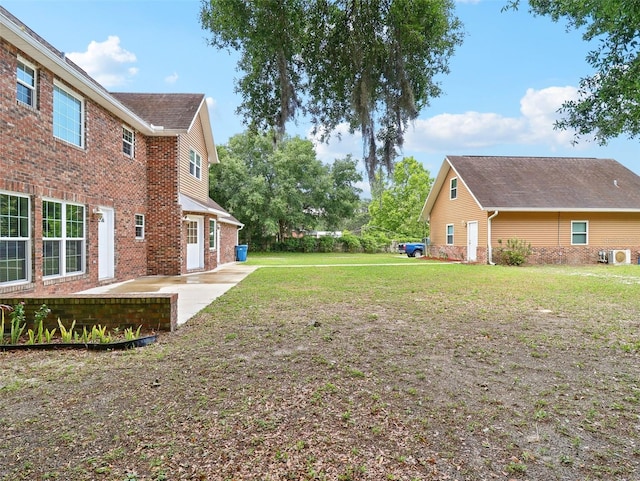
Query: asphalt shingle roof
(171,111)
(547,183)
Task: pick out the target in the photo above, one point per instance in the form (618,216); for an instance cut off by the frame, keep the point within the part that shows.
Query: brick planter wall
(154,312)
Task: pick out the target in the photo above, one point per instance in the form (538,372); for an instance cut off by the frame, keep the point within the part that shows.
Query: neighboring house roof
(542,184)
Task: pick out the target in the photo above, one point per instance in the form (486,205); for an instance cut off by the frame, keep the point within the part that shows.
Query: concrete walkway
(195,291)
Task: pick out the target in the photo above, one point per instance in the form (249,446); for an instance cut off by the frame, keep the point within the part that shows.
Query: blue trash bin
(241,252)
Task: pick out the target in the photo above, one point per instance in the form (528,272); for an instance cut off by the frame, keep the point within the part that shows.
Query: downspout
(490,257)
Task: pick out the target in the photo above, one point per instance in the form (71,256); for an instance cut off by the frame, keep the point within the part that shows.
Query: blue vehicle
(412,249)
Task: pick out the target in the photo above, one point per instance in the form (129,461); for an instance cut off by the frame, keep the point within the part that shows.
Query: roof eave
(560,209)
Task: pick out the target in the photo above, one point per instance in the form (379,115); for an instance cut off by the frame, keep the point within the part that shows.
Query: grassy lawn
(396,370)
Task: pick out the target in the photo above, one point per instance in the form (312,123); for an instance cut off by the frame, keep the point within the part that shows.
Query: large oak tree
(373,64)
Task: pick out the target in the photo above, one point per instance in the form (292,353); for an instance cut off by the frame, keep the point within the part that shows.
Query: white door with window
(195,243)
(472,241)
(106,244)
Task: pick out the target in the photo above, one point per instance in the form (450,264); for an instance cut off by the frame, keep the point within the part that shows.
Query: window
(26,84)
(68,114)
(453,190)
(449,234)
(195,163)
(212,233)
(63,238)
(139,226)
(192,232)
(127,141)
(14,238)
(579,232)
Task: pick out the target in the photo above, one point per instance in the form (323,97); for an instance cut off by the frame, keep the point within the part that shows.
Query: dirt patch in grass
(405,373)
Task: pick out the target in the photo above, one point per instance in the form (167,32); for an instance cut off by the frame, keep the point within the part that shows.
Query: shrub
(309,243)
(350,242)
(326,244)
(515,253)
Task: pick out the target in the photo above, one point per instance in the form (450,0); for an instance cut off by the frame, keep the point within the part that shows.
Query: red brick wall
(228,240)
(33,162)
(166,252)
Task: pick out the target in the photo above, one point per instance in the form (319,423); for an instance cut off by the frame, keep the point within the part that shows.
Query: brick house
(571,210)
(99,187)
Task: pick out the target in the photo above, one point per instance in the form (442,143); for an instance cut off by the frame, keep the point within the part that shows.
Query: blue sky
(506,81)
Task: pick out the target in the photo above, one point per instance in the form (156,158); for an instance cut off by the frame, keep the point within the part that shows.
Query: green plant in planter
(18,323)
(38,333)
(66,334)
(3,307)
(130,335)
(99,333)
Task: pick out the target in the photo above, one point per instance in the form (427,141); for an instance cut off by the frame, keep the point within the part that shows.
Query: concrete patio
(195,291)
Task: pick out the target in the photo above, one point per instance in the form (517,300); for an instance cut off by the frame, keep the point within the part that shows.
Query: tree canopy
(395,208)
(609,100)
(369,63)
(276,190)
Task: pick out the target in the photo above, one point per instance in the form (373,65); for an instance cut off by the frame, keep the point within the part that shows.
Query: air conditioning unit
(619,257)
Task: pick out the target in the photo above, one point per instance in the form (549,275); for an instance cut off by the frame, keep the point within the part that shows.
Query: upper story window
(195,164)
(139,226)
(63,243)
(579,232)
(453,189)
(68,116)
(26,84)
(450,234)
(15,234)
(128,141)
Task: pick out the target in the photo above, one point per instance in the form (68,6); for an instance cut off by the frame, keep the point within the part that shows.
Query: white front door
(195,243)
(472,241)
(106,244)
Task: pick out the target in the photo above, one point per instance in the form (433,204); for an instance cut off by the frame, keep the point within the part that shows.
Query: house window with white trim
(15,236)
(128,141)
(449,234)
(579,232)
(213,226)
(26,84)
(63,243)
(68,116)
(453,189)
(195,164)
(139,219)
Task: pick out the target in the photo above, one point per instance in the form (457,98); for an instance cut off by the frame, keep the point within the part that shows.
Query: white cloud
(211,103)
(107,62)
(455,132)
(171,79)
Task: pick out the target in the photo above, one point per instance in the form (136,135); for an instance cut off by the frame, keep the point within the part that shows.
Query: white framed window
(26,76)
(128,141)
(15,238)
(68,116)
(579,232)
(453,189)
(139,219)
(449,234)
(63,238)
(195,164)
(213,232)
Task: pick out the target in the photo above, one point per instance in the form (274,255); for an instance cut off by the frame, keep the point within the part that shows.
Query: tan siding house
(571,210)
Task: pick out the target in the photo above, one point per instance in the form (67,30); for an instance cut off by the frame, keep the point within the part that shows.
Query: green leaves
(275,191)
(370,64)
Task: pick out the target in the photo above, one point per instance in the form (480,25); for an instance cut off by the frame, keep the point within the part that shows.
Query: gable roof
(171,112)
(542,184)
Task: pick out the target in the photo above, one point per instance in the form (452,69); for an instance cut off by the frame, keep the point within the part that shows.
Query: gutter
(490,257)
